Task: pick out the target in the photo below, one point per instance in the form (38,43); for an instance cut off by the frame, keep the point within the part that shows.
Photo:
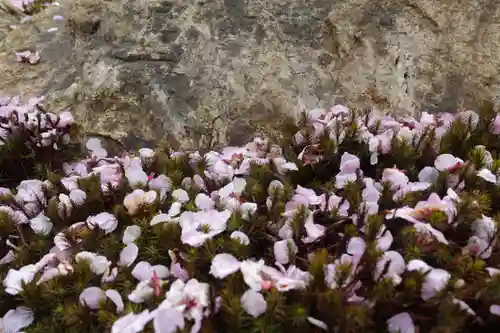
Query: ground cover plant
(354,222)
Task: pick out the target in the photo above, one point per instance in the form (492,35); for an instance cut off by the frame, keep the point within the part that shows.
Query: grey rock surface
(197,73)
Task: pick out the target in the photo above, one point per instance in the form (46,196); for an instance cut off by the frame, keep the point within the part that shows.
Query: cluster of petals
(204,204)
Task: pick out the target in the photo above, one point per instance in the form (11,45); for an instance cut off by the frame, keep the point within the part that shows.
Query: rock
(200,73)
(9,18)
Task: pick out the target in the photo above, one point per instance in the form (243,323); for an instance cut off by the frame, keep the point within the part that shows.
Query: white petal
(247,209)
(146,153)
(168,320)
(77,196)
(15,278)
(421,227)
(48,275)
(385,242)
(253,303)
(116,298)
(160,218)
(128,255)
(223,265)
(142,292)
(445,161)
(175,209)
(105,221)
(15,320)
(492,271)
(317,323)
(428,175)
(142,271)
(239,185)
(282,250)
(395,268)
(401,323)
(109,275)
(8,258)
(180,195)
(204,202)
(161,271)
(136,177)
(487,175)
(131,233)
(92,297)
(241,237)
(131,323)
(356,246)
(495,309)
(150,197)
(41,224)
(418,265)
(100,264)
(435,281)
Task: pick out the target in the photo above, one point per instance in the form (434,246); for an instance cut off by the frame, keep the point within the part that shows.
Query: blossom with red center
(156,284)
(190,303)
(474,248)
(235,158)
(266,285)
(455,167)
(237,197)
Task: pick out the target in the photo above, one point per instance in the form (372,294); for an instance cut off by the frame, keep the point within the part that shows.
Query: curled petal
(116,298)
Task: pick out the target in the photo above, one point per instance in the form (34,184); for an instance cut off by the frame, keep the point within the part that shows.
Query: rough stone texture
(199,72)
(9,18)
